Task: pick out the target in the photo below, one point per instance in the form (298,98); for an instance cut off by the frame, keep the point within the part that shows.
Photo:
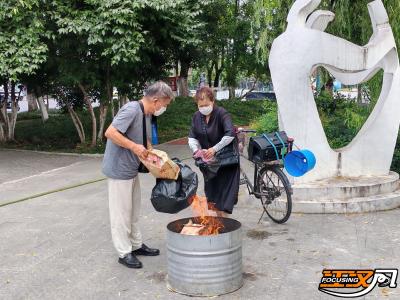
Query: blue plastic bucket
(298,163)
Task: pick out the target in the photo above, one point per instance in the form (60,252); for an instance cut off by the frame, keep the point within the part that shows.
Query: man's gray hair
(159,89)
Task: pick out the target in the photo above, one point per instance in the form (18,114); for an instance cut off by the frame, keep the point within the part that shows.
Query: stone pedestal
(347,195)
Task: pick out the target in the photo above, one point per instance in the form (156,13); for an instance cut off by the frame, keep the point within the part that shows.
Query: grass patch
(176,121)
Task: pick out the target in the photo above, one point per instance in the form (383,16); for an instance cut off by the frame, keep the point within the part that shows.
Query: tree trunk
(232,57)
(3,118)
(209,73)
(3,112)
(77,123)
(2,135)
(32,104)
(122,101)
(183,87)
(14,113)
(47,102)
(218,72)
(231,77)
(176,67)
(219,69)
(110,93)
(91,112)
(104,104)
(249,91)
(4,121)
(232,92)
(103,115)
(43,109)
(41,104)
(112,108)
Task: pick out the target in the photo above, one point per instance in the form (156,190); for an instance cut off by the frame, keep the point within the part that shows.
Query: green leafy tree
(185,26)
(228,49)
(269,22)
(22,51)
(214,38)
(352,22)
(120,37)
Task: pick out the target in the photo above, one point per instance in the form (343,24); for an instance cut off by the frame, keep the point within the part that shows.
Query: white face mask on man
(160,111)
(206,110)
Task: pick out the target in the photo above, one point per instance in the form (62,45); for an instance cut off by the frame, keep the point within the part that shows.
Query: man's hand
(149,145)
(209,154)
(140,151)
(117,138)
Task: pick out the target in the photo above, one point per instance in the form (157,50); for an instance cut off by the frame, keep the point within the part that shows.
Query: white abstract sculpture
(305,46)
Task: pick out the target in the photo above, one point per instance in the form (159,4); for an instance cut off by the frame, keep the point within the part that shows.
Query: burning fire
(203,224)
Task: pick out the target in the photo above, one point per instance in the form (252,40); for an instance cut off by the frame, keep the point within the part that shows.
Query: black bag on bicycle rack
(268,147)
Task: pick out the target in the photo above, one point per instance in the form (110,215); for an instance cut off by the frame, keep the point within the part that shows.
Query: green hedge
(59,134)
(341,119)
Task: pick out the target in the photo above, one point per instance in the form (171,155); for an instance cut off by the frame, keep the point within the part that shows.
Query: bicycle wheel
(276,199)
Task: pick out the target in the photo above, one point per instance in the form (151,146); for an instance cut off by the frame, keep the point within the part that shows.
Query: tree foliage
(99,45)
(229,48)
(22,51)
(92,46)
(22,46)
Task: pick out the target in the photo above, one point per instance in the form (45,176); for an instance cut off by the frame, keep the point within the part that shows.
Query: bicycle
(271,185)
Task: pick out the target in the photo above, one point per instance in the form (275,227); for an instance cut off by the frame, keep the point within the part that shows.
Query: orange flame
(200,208)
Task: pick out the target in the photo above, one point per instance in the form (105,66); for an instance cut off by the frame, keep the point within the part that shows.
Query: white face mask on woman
(206,110)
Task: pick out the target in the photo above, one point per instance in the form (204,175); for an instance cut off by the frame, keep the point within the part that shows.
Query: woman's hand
(197,153)
(209,154)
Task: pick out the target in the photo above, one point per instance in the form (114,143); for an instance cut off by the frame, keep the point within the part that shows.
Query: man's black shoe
(130,261)
(146,251)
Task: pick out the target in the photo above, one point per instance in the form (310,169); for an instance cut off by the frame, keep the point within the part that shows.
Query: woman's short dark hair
(204,91)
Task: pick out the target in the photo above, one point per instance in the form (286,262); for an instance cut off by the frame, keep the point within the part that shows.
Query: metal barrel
(205,265)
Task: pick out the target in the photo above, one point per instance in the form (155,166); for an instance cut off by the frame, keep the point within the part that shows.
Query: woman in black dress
(212,129)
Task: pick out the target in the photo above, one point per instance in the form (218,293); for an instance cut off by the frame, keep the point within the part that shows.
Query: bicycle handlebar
(240,130)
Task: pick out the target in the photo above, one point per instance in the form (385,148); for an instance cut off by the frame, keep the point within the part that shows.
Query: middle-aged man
(120,164)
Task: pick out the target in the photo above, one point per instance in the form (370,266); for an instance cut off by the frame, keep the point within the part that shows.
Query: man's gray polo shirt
(118,162)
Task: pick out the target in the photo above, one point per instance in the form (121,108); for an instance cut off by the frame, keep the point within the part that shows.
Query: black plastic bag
(171,196)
